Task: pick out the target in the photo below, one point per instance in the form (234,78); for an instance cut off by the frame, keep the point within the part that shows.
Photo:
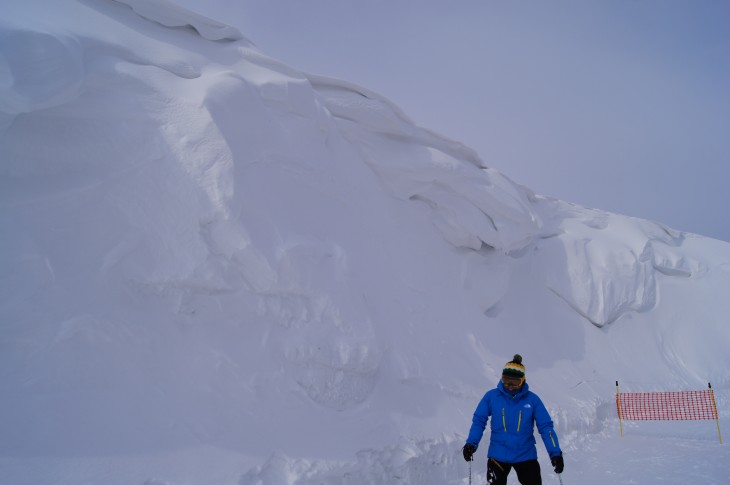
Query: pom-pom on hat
(514,368)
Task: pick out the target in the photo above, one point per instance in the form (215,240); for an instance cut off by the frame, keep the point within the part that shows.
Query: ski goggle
(511,382)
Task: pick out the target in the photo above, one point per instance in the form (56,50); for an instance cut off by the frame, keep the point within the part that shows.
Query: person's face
(511,383)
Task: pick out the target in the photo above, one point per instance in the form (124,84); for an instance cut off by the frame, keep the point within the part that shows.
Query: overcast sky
(621,105)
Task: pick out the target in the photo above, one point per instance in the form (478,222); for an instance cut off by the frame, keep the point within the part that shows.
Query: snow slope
(217,269)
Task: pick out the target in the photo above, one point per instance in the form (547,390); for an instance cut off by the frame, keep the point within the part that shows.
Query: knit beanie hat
(514,368)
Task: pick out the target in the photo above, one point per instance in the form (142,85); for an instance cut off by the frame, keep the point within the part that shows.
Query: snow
(217,269)
(169,14)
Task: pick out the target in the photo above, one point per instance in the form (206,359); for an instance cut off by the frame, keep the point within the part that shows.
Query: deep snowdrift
(206,249)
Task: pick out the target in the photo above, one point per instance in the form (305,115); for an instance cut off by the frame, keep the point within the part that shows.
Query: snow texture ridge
(170,14)
(610,275)
(38,70)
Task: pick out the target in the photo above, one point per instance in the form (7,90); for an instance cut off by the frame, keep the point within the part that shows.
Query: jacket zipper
(552,439)
(519,423)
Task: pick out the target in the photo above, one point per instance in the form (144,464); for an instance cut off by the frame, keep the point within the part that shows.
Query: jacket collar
(519,394)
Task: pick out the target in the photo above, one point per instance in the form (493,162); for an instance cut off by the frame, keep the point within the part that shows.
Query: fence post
(618,408)
(714,410)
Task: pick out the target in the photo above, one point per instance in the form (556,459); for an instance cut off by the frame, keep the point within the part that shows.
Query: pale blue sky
(622,105)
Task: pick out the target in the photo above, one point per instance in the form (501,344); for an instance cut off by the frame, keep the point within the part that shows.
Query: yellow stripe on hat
(514,369)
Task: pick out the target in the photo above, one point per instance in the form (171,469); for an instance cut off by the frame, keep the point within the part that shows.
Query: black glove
(557,462)
(468,451)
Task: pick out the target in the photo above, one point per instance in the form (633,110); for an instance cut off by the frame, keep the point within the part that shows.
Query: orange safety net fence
(684,405)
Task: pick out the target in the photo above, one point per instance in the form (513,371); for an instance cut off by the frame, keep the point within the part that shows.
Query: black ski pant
(528,472)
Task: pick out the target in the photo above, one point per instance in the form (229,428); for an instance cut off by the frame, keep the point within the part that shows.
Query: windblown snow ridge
(608,265)
(38,70)
(471,204)
(169,14)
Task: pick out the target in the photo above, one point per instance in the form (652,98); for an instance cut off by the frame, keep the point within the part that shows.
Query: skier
(514,410)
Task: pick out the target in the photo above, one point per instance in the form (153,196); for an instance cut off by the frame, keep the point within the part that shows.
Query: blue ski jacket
(512,425)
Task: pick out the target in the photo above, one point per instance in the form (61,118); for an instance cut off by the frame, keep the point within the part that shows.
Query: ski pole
(470,471)
(560,477)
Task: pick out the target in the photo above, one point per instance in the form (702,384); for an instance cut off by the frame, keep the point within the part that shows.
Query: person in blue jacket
(514,410)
